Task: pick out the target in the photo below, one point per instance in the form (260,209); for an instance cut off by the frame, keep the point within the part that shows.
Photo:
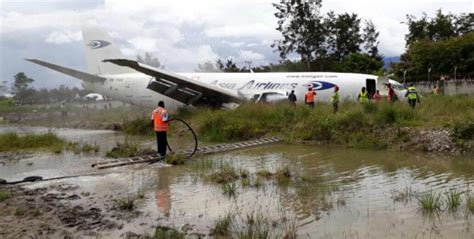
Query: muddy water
(346,193)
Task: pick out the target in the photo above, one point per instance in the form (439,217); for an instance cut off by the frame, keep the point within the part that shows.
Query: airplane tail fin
(99,46)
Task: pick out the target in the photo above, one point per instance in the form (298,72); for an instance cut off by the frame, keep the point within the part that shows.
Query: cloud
(57,37)
(246,55)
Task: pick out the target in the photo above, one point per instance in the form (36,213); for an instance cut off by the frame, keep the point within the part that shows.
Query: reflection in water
(163,192)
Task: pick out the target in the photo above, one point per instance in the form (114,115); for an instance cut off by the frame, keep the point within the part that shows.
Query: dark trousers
(412,103)
(161,142)
(310,104)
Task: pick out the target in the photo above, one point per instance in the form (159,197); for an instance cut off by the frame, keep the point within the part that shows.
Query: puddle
(333,192)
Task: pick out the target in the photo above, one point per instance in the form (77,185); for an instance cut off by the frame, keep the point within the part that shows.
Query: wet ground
(332,192)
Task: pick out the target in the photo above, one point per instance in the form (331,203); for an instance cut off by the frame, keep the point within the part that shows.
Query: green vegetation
(137,126)
(4,196)
(453,200)
(441,43)
(222,225)
(20,212)
(470,203)
(430,203)
(283,175)
(162,232)
(255,226)
(362,126)
(127,203)
(15,142)
(264,173)
(224,174)
(46,141)
(229,189)
(127,149)
(175,159)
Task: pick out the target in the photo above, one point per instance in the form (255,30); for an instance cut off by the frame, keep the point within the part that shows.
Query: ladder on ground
(201,150)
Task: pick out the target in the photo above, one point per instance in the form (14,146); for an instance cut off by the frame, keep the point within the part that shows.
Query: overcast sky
(180,33)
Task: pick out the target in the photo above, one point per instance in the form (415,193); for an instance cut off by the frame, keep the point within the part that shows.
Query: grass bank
(363,126)
(46,141)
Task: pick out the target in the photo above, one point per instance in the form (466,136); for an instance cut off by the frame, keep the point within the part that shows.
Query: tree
(4,87)
(371,40)
(150,60)
(302,29)
(228,66)
(21,87)
(208,66)
(361,63)
(344,36)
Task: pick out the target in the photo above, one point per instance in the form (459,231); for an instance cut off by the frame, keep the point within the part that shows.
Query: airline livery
(111,74)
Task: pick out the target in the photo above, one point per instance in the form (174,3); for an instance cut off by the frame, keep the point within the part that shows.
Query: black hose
(194,135)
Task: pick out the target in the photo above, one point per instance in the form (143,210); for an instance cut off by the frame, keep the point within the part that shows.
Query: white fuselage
(132,87)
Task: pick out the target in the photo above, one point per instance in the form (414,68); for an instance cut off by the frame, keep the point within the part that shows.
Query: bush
(464,130)
(14,142)
(138,126)
(4,196)
(126,149)
(167,233)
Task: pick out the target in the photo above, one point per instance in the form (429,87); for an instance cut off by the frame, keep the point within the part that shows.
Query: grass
(127,203)
(46,141)
(470,203)
(20,212)
(229,189)
(167,233)
(16,142)
(127,149)
(255,226)
(430,203)
(4,196)
(264,173)
(453,200)
(222,225)
(354,125)
(283,175)
(175,159)
(137,126)
(224,174)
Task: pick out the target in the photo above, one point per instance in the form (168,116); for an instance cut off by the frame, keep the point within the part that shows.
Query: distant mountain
(391,59)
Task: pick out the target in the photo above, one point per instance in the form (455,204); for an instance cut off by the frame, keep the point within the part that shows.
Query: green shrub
(14,142)
(175,159)
(127,149)
(4,196)
(464,130)
(167,233)
(138,126)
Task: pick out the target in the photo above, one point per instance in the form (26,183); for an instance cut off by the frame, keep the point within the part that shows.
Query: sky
(180,33)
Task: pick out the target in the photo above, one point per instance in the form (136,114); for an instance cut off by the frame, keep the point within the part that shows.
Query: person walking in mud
(159,120)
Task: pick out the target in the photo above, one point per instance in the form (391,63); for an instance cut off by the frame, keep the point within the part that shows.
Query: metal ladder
(201,150)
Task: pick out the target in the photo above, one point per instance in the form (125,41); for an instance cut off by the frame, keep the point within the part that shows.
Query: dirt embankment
(435,140)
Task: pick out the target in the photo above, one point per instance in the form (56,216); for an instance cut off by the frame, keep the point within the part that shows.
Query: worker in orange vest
(159,120)
(309,97)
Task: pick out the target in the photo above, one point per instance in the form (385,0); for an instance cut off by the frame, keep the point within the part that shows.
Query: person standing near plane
(159,120)
(335,99)
(391,97)
(363,96)
(377,97)
(292,97)
(309,97)
(413,96)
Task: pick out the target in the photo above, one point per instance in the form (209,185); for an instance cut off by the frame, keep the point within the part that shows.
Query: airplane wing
(68,71)
(181,88)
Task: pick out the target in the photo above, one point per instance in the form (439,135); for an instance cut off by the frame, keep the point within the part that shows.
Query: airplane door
(370,86)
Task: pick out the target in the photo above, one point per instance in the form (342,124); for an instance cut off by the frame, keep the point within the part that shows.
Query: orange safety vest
(159,124)
(310,97)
